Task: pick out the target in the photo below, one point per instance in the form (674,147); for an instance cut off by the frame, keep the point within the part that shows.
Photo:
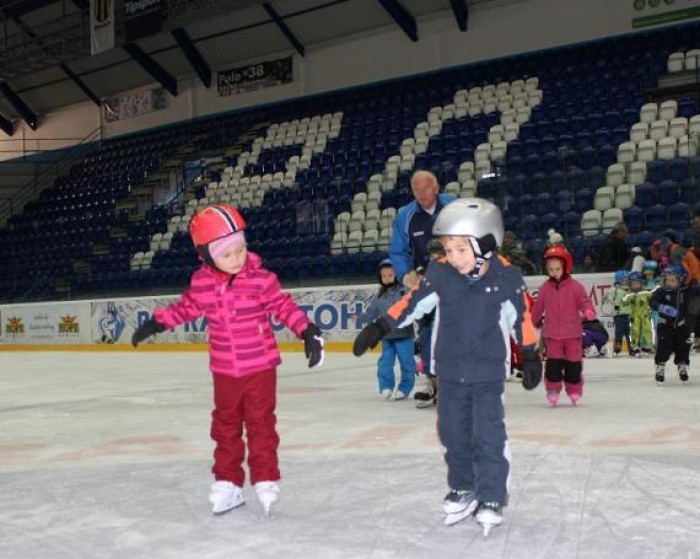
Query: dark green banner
(666,17)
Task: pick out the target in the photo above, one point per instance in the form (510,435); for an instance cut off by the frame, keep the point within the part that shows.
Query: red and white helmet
(215,222)
(560,252)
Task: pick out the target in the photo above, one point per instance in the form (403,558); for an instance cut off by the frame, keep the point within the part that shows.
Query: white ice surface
(107,455)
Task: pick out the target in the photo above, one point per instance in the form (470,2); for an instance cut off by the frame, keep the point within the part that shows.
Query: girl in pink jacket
(562,304)
(238,296)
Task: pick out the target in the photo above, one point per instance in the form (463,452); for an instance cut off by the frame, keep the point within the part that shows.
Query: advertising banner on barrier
(334,309)
(64,323)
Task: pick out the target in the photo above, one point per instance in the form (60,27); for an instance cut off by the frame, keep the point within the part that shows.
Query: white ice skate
(267,492)
(489,515)
(458,505)
(225,496)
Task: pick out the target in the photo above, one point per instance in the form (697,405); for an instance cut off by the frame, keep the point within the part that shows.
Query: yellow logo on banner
(102,10)
(69,325)
(14,325)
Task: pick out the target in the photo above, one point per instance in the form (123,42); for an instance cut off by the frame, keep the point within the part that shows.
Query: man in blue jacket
(409,254)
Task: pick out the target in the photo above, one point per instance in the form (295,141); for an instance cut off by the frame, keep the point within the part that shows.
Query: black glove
(146,330)
(313,344)
(370,336)
(532,369)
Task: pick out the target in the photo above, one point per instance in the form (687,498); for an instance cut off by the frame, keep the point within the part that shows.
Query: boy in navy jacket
(481,302)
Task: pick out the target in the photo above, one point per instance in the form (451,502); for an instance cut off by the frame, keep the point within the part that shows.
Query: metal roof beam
(461,12)
(21,7)
(82,5)
(402,18)
(81,84)
(284,28)
(20,106)
(156,71)
(193,56)
(6,126)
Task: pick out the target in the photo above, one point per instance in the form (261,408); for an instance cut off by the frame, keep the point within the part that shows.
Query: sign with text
(141,18)
(101,25)
(135,104)
(255,77)
(647,13)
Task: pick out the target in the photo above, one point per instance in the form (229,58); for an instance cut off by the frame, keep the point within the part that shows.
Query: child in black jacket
(671,300)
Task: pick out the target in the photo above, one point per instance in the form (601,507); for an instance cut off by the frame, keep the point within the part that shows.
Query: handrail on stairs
(33,187)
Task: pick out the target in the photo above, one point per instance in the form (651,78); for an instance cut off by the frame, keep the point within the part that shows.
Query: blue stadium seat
(657,171)
(678,169)
(557,180)
(668,192)
(687,108)
(679,215)
(576,178)
(634,218)
(656,217)
(564,201)
(595,178)
(549,161)
(583,199)
(527,204)
(643,238)
(576,246)
(587,157)
(538,184)
(570,224)
(531,165)
(549,221)
(646,195)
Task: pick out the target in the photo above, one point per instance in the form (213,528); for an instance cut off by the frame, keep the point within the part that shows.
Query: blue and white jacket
(409,242)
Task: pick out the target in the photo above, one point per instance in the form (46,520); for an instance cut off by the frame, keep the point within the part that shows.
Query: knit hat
(554,237)
(219,247)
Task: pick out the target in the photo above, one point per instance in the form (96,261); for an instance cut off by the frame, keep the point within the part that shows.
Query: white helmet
(472,217)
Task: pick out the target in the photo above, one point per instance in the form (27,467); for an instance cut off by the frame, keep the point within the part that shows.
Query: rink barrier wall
(107,324)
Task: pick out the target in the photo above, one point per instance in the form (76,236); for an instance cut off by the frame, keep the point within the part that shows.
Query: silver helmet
(472,217)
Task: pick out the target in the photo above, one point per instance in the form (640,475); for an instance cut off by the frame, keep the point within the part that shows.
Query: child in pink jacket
(238,296)
(562,303)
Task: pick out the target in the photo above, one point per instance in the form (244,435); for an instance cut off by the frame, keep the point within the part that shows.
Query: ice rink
(107,455)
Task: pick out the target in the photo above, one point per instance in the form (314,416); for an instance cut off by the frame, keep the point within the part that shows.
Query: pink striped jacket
(241,339)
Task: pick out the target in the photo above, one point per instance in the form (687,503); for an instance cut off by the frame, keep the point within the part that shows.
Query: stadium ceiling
(45,60)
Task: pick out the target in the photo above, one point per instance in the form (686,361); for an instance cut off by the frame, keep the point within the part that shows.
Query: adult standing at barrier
(409,253)
(613,250)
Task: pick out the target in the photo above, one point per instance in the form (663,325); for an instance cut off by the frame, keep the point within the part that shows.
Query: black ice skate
(660,375)
(459,504)
(683,372)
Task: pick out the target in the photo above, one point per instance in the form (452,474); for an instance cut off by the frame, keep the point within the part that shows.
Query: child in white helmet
(481,302)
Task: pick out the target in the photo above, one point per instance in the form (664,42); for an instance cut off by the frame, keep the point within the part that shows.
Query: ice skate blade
(453,518)
(487,529)
(228,509)
(268,513)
